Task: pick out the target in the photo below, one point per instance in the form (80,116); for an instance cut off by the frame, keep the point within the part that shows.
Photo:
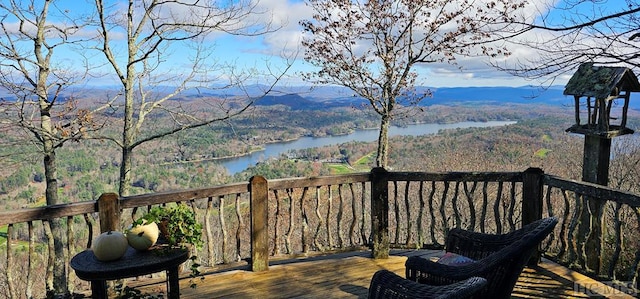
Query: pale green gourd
(110,246)
(143,236)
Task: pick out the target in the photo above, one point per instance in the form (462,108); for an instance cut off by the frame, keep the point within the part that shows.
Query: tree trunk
(51,194)
(125,172)
(128,136)
(50,170)
(129,130)
(383,142)
(57,227)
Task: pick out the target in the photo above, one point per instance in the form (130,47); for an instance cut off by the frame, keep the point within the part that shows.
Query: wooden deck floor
(347,275)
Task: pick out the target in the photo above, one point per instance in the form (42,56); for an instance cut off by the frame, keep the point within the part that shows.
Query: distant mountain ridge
(301,99)
(497,95)
(322,97)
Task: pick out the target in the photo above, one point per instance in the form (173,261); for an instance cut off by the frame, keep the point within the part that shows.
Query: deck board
(347,275)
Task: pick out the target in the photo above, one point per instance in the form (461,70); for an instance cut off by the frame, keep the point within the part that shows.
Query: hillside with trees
(189,159)
(533,142)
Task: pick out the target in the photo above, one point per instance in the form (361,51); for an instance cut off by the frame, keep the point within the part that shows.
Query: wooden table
(133,263)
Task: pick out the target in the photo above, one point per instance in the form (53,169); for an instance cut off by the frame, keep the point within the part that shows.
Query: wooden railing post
(380,212)
(259,206)
(109,212)
(532,190)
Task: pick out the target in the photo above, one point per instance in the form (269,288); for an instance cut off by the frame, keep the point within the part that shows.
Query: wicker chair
(388,285)
(498,258)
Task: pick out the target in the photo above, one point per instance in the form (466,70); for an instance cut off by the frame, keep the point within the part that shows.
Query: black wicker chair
(388,285)
(498,258)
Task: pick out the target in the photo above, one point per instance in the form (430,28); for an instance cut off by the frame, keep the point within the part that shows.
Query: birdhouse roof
(601,81)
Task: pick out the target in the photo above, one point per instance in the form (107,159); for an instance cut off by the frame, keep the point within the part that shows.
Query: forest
(89,168)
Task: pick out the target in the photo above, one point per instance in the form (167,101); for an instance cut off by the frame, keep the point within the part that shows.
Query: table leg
(99,289)
(173,283)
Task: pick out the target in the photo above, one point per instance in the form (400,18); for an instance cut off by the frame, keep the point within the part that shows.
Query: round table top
(133,263)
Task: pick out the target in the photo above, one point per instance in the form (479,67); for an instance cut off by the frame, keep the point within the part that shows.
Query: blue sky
(474,72)
(256,52)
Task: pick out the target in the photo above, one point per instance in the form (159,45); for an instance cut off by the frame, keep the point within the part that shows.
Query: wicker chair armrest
(474,237)
(388,285)
(477,245)
(426,271)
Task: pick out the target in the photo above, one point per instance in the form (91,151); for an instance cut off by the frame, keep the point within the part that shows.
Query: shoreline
(262,147)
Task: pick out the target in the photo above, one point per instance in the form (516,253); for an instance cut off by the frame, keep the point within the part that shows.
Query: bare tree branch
(373,47)
(152,27)
(603,38)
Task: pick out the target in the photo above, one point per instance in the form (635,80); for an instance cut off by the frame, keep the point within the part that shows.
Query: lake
(274,150)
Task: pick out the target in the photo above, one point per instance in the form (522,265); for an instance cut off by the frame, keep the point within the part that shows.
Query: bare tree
(33,73)
(580,31)
(151,29)
(374,47)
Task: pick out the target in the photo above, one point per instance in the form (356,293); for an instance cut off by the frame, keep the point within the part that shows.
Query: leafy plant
(179,226)
(177,223)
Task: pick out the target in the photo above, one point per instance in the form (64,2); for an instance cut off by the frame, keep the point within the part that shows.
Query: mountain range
(309,98)
(301,99)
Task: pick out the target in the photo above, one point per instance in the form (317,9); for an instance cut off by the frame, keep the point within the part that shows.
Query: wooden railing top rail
(80,208)
(48,212)
(182,195)
(278,184)
(86,207)
(594,191)
(457,176)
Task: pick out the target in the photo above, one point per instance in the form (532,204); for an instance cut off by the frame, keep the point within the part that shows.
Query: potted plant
(177,224)
(178,228)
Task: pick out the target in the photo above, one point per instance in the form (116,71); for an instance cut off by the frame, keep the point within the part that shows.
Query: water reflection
(273,150)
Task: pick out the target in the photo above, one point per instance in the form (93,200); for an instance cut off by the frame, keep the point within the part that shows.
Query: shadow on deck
(347,275)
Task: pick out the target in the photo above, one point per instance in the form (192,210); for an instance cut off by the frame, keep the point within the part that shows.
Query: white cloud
(469,70)
(287,15)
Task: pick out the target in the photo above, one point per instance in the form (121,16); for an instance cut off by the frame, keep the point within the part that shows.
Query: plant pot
(163,225)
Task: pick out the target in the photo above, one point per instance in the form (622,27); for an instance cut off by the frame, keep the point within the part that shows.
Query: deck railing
(616,229)
(263,219)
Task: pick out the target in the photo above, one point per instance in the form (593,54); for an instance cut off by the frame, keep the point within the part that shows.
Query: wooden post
(109,212)
(597,153)
(259,190)
(380,212)
(532,190)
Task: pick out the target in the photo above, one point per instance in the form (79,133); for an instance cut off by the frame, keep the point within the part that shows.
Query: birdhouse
(601,96)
